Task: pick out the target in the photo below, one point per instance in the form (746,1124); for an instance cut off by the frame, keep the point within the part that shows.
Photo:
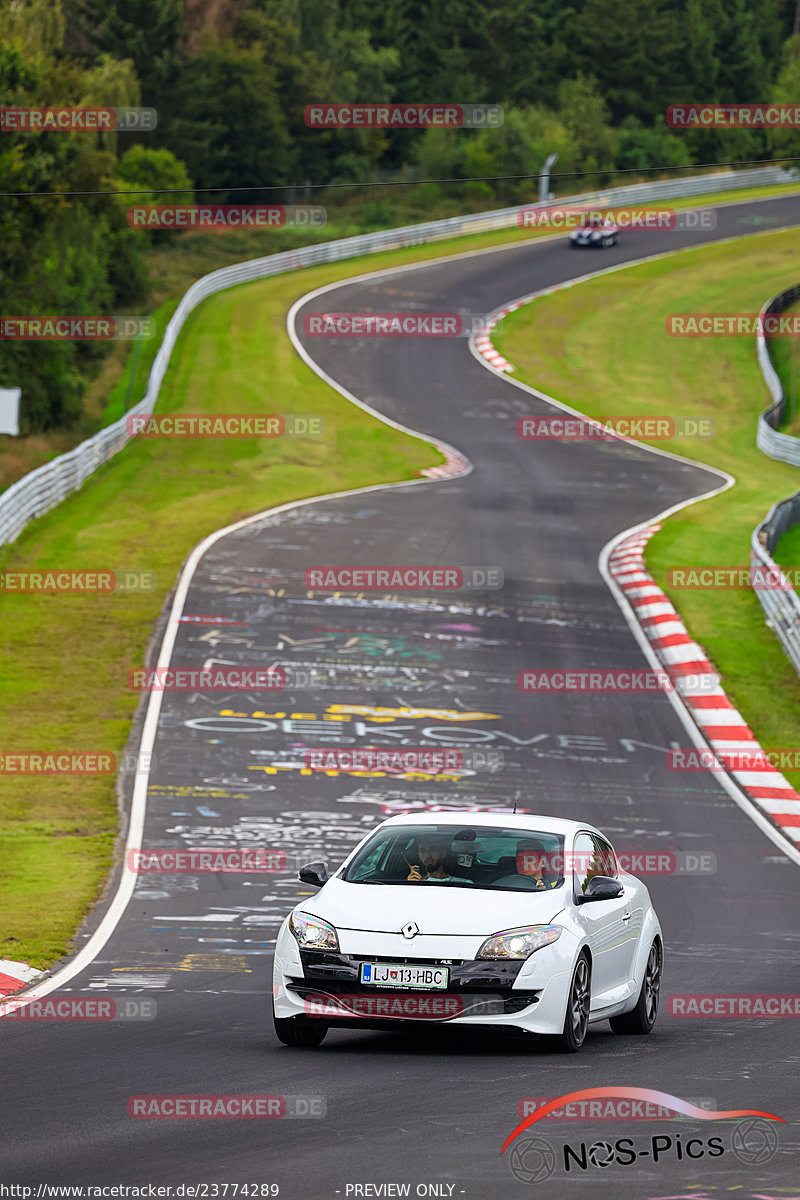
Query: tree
(630,47)
(640,146)
(58,254)
(226,123)
(152,176)
(35,26)
(513,76)
(146,31)
(584,114)
(786,141)
(704,18)
(743,73)
(111,84)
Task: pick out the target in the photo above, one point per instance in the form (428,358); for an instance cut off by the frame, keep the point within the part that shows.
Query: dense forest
(230,80)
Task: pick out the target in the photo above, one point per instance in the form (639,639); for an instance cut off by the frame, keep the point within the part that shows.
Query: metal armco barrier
(44,488)
(781,446)
(781,605)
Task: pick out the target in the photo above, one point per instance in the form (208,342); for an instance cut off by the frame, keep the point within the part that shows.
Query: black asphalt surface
(435,1109)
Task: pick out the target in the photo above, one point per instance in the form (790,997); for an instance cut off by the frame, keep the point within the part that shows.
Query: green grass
(787,552)
(601,347)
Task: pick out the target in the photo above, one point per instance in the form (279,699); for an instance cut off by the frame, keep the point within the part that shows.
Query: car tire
(576,1020)
(642,1018)
(292,1032)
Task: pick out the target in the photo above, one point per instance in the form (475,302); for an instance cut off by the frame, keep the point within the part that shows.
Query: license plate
(401,975)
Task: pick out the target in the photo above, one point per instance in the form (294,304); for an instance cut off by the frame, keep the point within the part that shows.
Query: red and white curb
(15,976)
(722,726)
(454,465)
(483,342)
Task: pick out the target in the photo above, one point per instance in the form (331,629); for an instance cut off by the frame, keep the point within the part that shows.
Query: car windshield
(460,856)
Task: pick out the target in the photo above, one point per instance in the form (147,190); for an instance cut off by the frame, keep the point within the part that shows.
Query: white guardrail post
(40,490)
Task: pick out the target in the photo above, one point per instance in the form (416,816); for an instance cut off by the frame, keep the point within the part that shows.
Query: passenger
(531,869)
(533,861)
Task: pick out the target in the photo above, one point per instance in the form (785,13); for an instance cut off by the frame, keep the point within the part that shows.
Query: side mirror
(315,873)
(600,887)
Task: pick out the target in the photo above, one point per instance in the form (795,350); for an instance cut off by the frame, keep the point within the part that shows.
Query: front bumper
(517,995)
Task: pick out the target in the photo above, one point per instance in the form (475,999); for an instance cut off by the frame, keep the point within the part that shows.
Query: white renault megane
(523,923)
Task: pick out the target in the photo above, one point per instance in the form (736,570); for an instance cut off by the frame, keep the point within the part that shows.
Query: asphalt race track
(431,1109)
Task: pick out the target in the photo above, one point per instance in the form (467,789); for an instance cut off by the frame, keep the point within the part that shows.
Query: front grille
(466,975)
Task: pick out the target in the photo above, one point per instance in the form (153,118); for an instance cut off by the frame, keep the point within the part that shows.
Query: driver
(532,866)
(433,850)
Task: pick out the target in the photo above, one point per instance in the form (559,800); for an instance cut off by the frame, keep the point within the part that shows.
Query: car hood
(435,909)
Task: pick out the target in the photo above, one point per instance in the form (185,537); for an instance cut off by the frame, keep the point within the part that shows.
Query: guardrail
(41,490)
(781,446)
(780,603)
(778,598)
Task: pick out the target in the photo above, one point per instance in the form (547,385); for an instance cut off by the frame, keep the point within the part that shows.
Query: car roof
(522,821)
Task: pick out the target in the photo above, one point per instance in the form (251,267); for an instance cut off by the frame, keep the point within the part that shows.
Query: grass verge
(601,347)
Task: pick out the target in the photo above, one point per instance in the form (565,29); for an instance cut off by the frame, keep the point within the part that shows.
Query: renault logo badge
(410,930)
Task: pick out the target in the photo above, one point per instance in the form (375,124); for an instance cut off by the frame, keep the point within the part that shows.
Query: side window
(373,859)
(584,863)
(607,861)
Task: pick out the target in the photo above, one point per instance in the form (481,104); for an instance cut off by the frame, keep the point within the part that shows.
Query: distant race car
(595,230)
(520,923)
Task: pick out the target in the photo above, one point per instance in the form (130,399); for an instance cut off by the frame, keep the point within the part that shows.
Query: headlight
(312,933)
(519,943)
(595,233)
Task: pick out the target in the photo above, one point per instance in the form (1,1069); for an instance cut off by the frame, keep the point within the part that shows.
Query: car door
(633,910)
(606,922)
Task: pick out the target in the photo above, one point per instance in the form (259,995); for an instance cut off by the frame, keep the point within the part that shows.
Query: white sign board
(9,410)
